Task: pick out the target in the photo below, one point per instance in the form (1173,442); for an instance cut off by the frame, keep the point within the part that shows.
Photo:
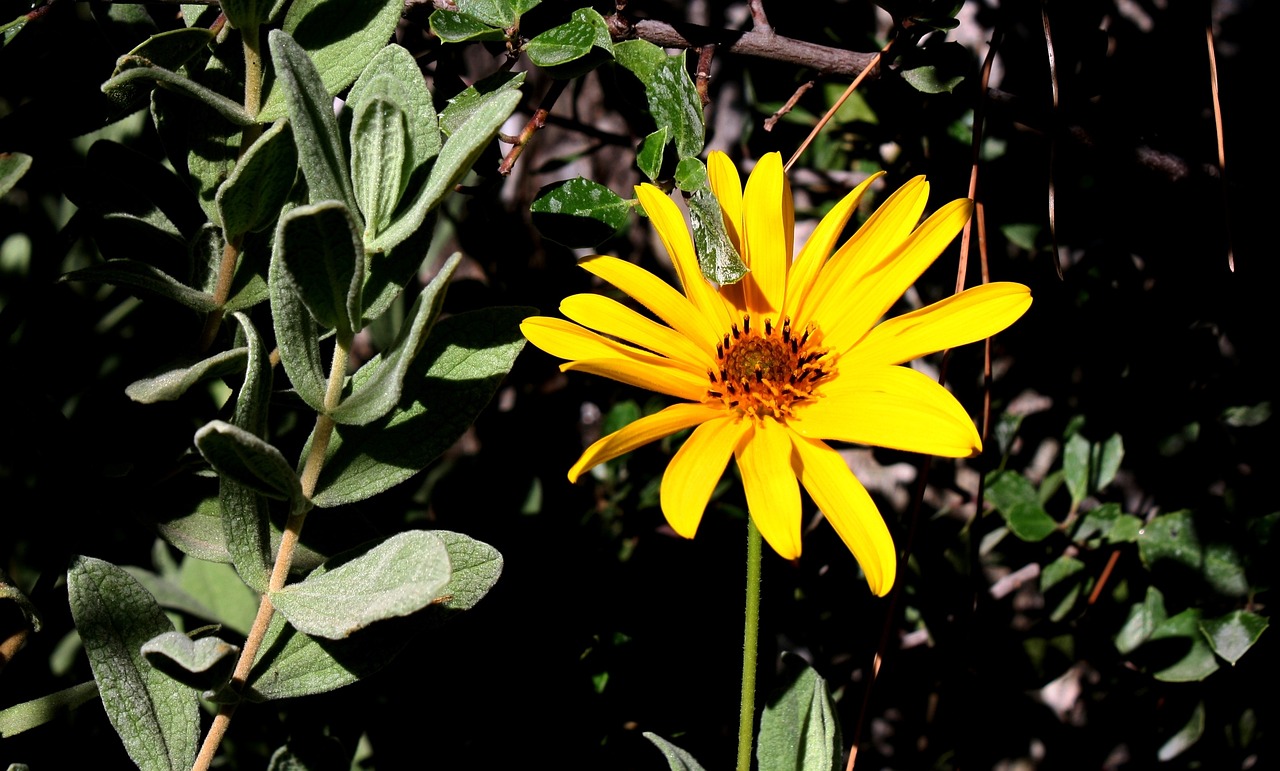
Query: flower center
(767,374)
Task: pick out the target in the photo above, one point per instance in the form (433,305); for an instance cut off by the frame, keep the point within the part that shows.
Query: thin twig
(975,152)
(1053,142)
(759,21)
(772,120)
(767,45)
(1222,151)
(871,66)
(703,76)
(536,122)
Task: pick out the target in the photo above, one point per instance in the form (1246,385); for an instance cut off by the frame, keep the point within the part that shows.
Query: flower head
(772,368)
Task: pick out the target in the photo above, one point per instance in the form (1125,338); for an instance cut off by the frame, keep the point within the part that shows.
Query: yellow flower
(772,367)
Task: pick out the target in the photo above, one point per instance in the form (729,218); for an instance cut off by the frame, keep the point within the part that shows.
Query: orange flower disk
(772,368)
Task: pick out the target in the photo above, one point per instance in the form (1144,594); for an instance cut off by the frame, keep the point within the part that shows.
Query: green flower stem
(750,648)
(284,555)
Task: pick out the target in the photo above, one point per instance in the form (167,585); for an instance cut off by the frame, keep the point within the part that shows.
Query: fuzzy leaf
(174,380)
(252,196)
(394,74)
(461,107)
(135,78)
(579,213)
(37,712)
(246,14)
(167,50)
(677,759)
(799,730)
(379,160)
(12,167)
(296,335)
(205,664)
(451,380)
(292,664)
(323,257)
(476,567)
(241,455)
(157,718)
(133,274)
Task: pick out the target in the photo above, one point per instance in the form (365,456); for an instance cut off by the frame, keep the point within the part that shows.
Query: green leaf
(1171,537)
(12,167)
(1144,618)
(292,664)
(241,455)
(1237,417)
(568,49)
(458,27)
(175,379)
(217,586)
(1186,736)
(451,380)
(399,576)
(379,161)
(380,388)
(1233,634)
(388,273)
(323,257)
(205,664)
(717,256)
(677,759)
(1075,464)
(476,567)
(798,729)
(579,213)
(339,36)
(673,99)
(199,534)
(455,160)
(170,596)
(315,129)
(37,712)
(296,335)
(649,156)
(208,144)
(393,74)
(460,108)
(26,608)
(1198,662)
(133,274)
(691,175)
(1016,500)
(1058,571)
(1224,570)
(246,14)
(936,69)
(166,50)
(135,78)
(251,198)
(157,718)
(495,13)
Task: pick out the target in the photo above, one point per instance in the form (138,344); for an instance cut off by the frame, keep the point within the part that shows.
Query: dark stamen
(759,376)
(768,327)
(746,324)
(736,333)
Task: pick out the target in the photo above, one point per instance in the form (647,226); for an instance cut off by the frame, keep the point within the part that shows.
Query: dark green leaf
(579,213)
(458,27)
(1233,634)
(166,50)
(241,455)
(170,596)
(461,107)
(253,195)
(649,157)
(323,256)
(1171,537)
(1016,500)
(1075,464)
(135,78)
(495,13)
(799,730)
(173,380)
(12,167)
(218,587)
(139,275)
(199,534)
(379,391)
(717,256)
(677,759)
(1198,662)
(157,718)
(1143,619)
(476,567)
(451,380)
(379,161)
(673,99)
(246,14)
(397,577)
(936,69)
(205,664)
(37,712)
(691,175)
(296,335)
(571,41)
(1185,738)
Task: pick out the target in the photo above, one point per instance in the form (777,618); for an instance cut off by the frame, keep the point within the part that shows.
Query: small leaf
(1186,736)
(461,107)
(135,78)
(379,160)
(37,712)
(249,460)
(1016,500)
(1224,570)
(579,213)
(1075,464)
(168,50)
(1059,570)
(12,167)
(691,175)
(673,99)
(573,42)
(1171,537)
(649,156)
(139,275)
(323,257)
(1198,662)
(296,335)
(476,567)
(495,13)
(936,69)
(1236,417)
(379,392)
(451,380)
(1109,456)
(717,256)
(157,718)
(458,27)
(205,664)
(251,198)
(394,74)
(1233,634)
(174,380)
(1143,619)
(246,14)
(397,577)
(798,729)
(677,759)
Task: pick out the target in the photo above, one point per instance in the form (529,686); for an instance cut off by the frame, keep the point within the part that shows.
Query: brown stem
(871,66)
(832,61)
(536,122)
(703,76)
(772,120)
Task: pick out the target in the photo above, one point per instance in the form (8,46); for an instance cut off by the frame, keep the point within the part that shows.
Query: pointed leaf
(579,213)
(799,730)
(573,48)
(12,167)
(458,27)
(1144,618)
(37,712)
(1186,736)
(649,156)
(395,70)
(381,387)
(1198,662)
(292,664)
(199,534)
(677,759)
(252,196)
(246,14)
(1075,464)
(455,160)
(462,107)
(324,260)
(173,380)
(1233,634)
(673,99)
(717,256)
(249,460)
(451,380)
(205,664)
(315,128)
(218,587)
(497,13)
(476,567)
(136,77)
(157,718)
(1016,500)
(132,274)
(379,160)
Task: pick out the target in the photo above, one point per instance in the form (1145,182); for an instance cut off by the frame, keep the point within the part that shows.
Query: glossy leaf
(460,108)
(1232,635)
(1143,619)
(573,48)
(1016,500)
(205,664)
(579,213)
(677,759)
(799,730)
(1198,662)
(157,718)
(380,388)
(323,257)
(1185,738)
(253,195)
(458,27)
(399,576)
(649,156)
(451,380)
(340,37)
(717,257)
(175,379)
(249,460)
(673,99)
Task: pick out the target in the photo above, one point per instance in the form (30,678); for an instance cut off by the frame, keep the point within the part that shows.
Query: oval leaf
(249,460)
(579,213)
(205,664)
(323,257)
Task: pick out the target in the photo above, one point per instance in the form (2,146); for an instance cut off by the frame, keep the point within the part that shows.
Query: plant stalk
(750,647)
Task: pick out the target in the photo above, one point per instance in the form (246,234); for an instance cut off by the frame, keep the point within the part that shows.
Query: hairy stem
(750,648)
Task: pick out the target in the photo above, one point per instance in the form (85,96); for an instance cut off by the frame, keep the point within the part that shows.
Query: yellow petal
(695,470)
(850,510)
(569,341)
(726,186)
(883,231)
(769,480)
(893,407)
(658,296)
(669,223)
(640,432)
(653,374)
(615,319)
(764,230)
(869,295)
(963,318)
(804,271)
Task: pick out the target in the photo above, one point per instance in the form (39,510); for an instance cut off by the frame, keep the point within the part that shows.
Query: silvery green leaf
(323,257)
(397,577)
(798,729)
(717,256)
(379,160)
(340,36)
(476,568)
(677,759)
(495,13)
(168,50)
(461,107)
(315,128)
(451,380)
(296,335)
(173,380)
(251,198)
(136,73)
(454,161)
(157,718)
(205,664)
(241,455)
(246,14)
(218,587)
(12,167)
(378,392)
(394,74)
(139,275)
(1234,634)
(170,596)
(199,534)
(37,712)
